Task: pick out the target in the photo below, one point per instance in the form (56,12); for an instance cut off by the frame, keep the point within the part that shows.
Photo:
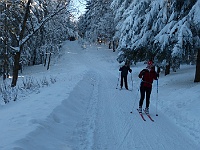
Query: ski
(148,116)
(141,115)
(124,89)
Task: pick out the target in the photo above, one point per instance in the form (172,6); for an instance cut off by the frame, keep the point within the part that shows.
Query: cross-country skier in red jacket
(147,75)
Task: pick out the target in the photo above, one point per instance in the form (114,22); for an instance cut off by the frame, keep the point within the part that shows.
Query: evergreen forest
(164,31)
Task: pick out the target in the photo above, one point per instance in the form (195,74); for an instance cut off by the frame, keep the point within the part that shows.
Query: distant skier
(148,75)
(124,73)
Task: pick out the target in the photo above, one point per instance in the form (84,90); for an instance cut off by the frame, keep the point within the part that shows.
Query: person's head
(126,63)
(149,64)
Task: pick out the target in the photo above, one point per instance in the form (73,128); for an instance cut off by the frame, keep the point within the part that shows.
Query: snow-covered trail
(83,110)
(114,126)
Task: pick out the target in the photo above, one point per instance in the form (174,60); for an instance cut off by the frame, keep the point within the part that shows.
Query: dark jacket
(148,77)
(124,70)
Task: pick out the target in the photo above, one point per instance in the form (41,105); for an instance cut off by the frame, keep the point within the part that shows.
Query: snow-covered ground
(83,110)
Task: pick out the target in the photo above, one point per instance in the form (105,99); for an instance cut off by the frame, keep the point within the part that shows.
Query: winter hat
(149,64)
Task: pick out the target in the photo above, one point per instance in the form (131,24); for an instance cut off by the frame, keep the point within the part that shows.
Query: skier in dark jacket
(124,73)
(147,75)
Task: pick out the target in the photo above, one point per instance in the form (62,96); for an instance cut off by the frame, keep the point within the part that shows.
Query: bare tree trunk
(5,68)
(21,36)
(45,59)
(5,62)
(34,57)
(15,69)
(49,61)
(17,55)
(167,69)
(110,45)
(197,74)
(113,46)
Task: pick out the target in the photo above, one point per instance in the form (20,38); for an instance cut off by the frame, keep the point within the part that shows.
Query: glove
(143,72)
(157,75)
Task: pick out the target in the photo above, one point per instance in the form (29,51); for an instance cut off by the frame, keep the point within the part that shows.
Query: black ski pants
(143,91)
(124,79)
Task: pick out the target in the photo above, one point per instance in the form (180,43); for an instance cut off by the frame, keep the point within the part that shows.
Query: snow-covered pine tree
(176,37)
(162,29)
(132,30)
(97,22)
(194,15)
(166,31)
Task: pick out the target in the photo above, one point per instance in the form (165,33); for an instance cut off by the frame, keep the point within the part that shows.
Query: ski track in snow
(98,117)
(116,128)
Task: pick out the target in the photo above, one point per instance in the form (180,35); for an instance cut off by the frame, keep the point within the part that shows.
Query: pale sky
(79,6)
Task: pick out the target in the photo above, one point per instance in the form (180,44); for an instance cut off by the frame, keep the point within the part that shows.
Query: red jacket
(148,77)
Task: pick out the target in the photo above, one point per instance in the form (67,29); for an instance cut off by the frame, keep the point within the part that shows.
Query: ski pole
(135,99)
(132,81)
(118,81)
(157,99)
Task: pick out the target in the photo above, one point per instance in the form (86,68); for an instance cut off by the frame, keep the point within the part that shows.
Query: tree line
(31,30)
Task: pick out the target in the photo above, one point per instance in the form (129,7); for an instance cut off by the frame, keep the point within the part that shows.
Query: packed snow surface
(83,110)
